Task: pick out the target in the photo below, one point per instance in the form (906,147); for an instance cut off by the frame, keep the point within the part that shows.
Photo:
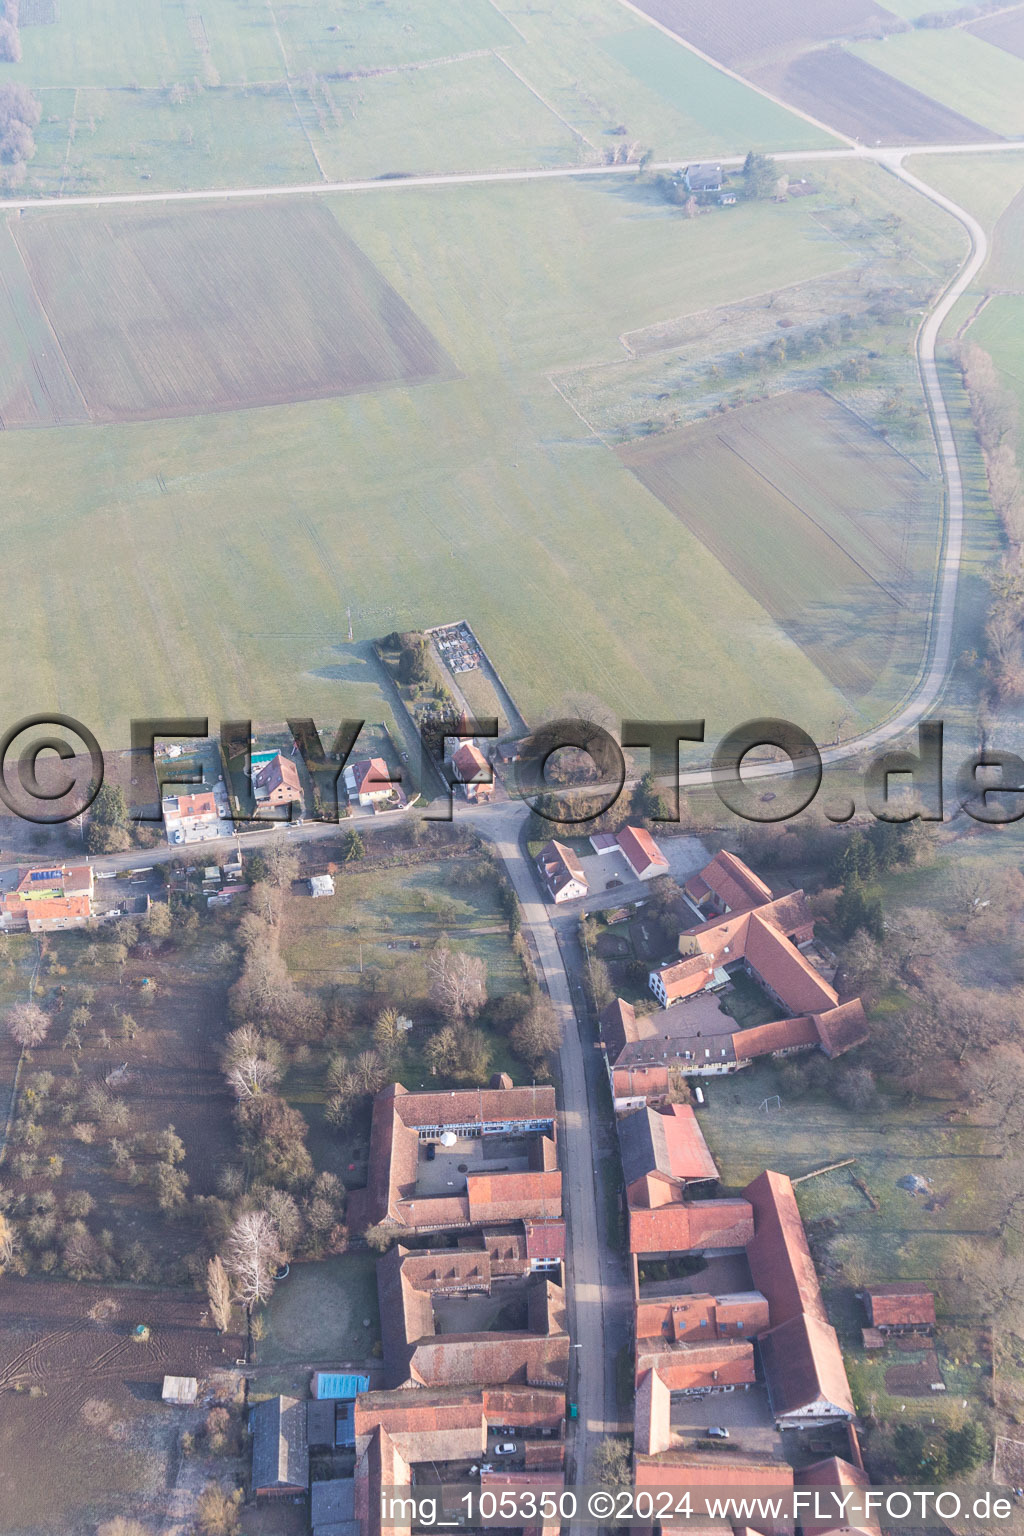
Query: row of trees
(996,421)
(10,41)
(19,119)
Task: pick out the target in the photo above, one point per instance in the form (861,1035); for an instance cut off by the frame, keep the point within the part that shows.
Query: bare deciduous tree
(28,1025)
(252,1255)
(458,983)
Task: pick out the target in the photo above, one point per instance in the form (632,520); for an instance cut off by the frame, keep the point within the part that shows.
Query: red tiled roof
(533,1407)
(733,883)
(700,1316)
(834,1473)
(202,804)
(683,1469)
(50,909)
(652,1426)
(684,1367)
(641,850)
(639,1082)
(506,1196)
(782,1035)
(780,1260)
(278,772)
(545,1239)
(789,974)
(682,1228)
(803,1365)
(371,774)
(896,1306)
(469,763)
(840,1029)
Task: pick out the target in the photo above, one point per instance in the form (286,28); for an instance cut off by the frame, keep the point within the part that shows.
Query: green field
(1000,330)
(984,83)
(243,92)
(241,538)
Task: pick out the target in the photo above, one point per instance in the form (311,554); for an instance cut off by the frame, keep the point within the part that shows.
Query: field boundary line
(72,135)
(844,405)
(714,309)
(495,6)
(589,425)
(50,325)
(291,93)
(975,314)
(732,74)
(543,101)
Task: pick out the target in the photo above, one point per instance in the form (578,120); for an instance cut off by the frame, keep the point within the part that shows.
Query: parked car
(718,1433)
(506,1448)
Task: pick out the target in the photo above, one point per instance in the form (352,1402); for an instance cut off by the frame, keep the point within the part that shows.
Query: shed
(321,885)
(181,1390)
(280,1454)
(336,1385)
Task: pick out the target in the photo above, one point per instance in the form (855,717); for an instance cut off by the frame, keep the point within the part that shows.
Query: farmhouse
(663,1154)
(504,1138)
(764,940)
(642,853)
(428,1322)
(280,1455)
(703,176)
(800,1353)
(473,772)
(906,1308)
(561,872)
(751,930)
(49,899)
(275,780)
(369,782)
(696,1038)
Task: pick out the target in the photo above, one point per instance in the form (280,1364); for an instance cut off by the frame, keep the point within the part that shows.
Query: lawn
(963,72)
(903,1239)
(317,1312)
(1000,330)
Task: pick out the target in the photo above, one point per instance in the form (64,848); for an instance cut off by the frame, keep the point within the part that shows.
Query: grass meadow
(242,538)
(244,93)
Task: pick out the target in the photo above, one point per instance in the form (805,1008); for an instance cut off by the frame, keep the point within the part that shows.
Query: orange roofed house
(431,1156)
(368,782)
(276,782)
(473,772)
(49,899)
